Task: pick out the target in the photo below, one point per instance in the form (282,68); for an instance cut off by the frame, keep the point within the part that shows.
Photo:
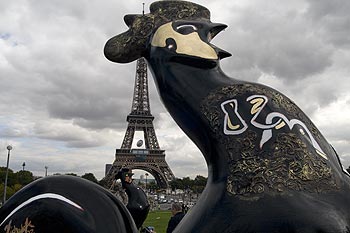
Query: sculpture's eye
(186,29)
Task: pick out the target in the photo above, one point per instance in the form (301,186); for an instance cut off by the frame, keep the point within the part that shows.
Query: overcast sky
(64,105)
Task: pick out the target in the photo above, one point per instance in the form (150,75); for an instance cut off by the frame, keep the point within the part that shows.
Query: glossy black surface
(65,204)
(138,204)
(269,168)
(224,209)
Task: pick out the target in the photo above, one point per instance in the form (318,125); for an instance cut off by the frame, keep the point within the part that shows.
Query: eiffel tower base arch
(151,161)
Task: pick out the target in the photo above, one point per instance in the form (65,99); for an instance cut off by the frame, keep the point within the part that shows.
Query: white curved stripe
(344,170)
(43,196)
(187,25)
(291,123)
(257,124)
(226,118)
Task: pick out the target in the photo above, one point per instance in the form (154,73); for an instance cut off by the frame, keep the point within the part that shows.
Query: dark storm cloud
(278,43)
(313,93)
(89,112)
(68,74)
(97,102)
(75,136)
(332,19)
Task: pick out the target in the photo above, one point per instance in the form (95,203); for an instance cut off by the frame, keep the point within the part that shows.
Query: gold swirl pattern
(287,163)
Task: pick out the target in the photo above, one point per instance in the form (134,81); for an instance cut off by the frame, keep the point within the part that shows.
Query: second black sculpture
(269,168)
(137,205)
(65,204)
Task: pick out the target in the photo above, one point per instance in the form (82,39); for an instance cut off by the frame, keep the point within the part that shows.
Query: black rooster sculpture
(269,168)
(65,204)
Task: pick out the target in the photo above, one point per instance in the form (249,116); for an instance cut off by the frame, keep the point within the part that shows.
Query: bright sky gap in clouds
(63,105)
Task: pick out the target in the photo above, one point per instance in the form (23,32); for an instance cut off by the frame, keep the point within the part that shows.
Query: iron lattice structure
(151,158)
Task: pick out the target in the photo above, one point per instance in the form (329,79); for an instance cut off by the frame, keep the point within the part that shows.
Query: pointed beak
(221,53)
(215,28)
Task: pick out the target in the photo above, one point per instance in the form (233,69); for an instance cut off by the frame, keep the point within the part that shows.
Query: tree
(90,176)
(71,174)
(152,186)
(176,184)
(199,184)
(9,192)
(24,177)
(187,182)
(200,180)
(102,182)
(16,187)
(11,179)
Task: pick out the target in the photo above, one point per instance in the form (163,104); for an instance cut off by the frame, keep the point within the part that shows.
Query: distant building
(107,168)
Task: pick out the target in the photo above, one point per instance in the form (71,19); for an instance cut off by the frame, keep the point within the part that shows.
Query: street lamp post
(46,167)
(9,148)
(146,181)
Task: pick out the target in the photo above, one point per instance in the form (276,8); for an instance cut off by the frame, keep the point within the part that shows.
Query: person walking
(177,215)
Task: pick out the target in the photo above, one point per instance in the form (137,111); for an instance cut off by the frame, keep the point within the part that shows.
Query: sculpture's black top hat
(132,44)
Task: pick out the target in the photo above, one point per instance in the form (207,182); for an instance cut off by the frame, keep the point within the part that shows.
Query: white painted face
(189,44)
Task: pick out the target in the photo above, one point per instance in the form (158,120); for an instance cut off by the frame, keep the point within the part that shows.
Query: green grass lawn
(158,219)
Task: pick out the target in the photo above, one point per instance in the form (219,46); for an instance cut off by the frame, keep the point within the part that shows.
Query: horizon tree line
(19,179)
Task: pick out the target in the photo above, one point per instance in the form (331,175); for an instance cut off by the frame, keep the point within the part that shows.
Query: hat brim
(130,45)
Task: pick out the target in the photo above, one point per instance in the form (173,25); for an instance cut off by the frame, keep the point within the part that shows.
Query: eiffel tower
(150,158)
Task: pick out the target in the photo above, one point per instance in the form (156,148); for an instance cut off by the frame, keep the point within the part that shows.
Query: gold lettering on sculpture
(26,227)
(229,123)
(257,103)
(280,125)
